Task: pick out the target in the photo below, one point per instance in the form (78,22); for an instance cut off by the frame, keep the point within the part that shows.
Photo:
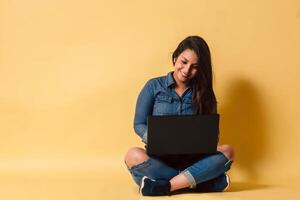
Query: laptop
(182,134)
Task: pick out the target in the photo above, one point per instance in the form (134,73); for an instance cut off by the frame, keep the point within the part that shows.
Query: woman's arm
(144,107)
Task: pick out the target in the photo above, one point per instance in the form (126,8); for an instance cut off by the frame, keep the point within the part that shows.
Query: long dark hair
(204,99)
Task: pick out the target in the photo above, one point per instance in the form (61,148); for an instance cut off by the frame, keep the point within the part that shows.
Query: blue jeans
(206,168)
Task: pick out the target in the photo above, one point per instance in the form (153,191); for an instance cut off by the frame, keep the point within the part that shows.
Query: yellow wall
(70,73)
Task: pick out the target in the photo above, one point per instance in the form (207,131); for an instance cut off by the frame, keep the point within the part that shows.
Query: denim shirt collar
(170,79)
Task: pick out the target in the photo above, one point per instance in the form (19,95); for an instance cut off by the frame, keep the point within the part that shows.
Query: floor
(114,182)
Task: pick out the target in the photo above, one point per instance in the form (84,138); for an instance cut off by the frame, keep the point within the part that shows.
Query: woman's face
(185,67)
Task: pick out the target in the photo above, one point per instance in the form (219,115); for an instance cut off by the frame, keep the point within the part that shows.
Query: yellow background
(70,73)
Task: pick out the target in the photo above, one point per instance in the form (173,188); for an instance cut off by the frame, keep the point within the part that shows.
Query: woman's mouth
(184,75)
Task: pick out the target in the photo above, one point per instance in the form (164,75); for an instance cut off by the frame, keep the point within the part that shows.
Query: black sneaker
(150,187)
(218,184)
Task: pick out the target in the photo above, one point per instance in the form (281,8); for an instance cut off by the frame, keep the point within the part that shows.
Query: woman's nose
(186,69)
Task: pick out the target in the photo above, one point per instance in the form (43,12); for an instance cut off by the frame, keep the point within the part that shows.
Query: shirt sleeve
(144,107)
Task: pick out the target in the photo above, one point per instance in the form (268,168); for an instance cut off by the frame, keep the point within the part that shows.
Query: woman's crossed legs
(208,168)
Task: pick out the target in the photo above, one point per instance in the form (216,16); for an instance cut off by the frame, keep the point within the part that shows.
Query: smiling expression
(185,67)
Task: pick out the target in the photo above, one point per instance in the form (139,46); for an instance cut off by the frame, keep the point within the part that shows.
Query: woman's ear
(174,61)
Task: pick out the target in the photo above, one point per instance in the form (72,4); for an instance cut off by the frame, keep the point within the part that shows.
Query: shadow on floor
(246,186)
(234,187)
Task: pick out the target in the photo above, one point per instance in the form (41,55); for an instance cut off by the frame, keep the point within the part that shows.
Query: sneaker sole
(142,184)
(228,181)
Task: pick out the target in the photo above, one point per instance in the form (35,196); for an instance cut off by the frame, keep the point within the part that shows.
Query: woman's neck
(180,85)
(180,88)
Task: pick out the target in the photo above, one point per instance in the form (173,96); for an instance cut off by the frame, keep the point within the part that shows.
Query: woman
(186,90)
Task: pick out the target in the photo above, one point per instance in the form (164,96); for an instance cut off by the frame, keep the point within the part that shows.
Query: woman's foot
(150,187)
(218,184)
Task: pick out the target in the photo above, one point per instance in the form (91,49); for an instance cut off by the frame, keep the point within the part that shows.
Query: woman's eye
(184,62)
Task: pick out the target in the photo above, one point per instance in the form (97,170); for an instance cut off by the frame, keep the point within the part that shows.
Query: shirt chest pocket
(164,105)
(188,106)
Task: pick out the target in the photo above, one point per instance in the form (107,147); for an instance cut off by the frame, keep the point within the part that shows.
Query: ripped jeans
(204,168)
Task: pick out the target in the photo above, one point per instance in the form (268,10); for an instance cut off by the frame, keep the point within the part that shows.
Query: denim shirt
(158,97)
